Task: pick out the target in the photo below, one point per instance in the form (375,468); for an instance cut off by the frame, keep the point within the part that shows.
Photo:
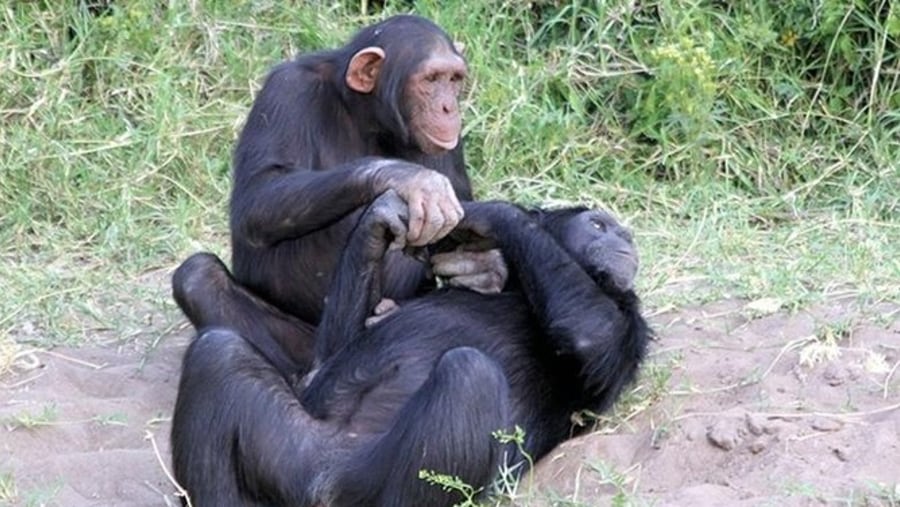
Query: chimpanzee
(327,133)
(425,387)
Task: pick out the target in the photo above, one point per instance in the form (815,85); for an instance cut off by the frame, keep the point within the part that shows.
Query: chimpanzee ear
(362,73)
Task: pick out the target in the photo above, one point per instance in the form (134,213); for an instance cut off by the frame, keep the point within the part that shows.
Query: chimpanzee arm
(296,169)
(356,286)
(280,203)
(600,329)
(355,290)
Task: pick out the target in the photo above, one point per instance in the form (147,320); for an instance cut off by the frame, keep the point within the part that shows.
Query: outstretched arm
(354,292)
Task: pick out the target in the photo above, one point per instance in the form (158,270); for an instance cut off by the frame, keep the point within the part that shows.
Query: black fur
(312,154)
(300,167)
(421,390)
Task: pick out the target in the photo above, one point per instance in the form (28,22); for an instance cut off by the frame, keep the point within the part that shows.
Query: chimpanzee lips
(447,144)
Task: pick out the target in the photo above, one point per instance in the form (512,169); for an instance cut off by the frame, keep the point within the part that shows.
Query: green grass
(8,490)
(754,149)
(753,146)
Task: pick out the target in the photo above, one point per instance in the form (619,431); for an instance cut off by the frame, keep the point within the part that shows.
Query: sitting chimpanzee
(327,133)
(424,388)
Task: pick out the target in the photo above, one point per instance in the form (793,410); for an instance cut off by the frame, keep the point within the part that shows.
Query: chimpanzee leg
(239,437)
(446,427)
(210,297)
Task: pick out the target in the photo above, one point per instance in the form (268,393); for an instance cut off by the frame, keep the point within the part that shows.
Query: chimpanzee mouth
(447,144)
(602,275)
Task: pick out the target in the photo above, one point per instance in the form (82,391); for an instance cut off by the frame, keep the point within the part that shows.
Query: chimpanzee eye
(431,77)
(599,225)
(457,77)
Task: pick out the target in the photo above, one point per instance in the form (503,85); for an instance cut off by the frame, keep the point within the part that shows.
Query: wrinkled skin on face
(432,98)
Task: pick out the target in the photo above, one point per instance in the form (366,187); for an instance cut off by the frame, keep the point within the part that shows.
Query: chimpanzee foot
(201,286)
(210,297)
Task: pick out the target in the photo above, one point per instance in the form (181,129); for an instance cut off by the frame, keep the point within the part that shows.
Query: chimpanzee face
(601,244)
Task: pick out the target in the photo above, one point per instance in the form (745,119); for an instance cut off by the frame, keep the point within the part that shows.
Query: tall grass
(753,145)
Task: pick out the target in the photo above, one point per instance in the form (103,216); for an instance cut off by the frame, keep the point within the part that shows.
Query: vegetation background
(754,146)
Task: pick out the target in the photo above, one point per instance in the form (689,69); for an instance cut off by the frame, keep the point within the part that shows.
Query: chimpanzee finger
(384,306)
(464,262)
(456,263)
(394,223)
(434,221)
(452,214)
(457,206)
(483,283)
(416,220)
(444,212)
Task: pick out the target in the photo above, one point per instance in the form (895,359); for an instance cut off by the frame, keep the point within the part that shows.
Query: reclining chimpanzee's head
(600,244)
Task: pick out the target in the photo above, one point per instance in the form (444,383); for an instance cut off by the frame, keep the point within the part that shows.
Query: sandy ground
(757,410)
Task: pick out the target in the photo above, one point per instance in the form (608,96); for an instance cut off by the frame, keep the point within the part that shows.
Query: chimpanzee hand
(480,271)
(476,263)
(434,209)
(386,218)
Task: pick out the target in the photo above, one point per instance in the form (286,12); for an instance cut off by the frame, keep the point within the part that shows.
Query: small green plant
(516,437)
(509,476)
(8,490)
(28,420)
(677,105)
(887,493)
(450,483)
(824,345)
(507,480)
(40,497)
(117,419)
(608,475)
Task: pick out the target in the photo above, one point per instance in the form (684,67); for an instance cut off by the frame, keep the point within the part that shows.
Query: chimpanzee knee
(475,376)
(198,424)
(447,427)
(209,297)
(197,287)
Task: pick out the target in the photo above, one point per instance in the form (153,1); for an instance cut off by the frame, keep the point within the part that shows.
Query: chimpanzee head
(415,74)
(597,241)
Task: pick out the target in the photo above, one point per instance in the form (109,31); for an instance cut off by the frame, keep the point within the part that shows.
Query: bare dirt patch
(780,409)
(75,430)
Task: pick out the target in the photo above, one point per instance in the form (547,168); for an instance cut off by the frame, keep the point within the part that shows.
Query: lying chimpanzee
(424,388)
